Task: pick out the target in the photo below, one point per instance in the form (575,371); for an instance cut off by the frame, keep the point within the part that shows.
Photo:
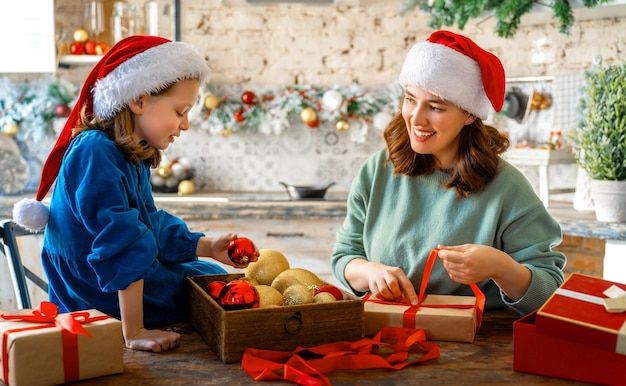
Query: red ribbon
(268,365)
(71,325)
(411,312)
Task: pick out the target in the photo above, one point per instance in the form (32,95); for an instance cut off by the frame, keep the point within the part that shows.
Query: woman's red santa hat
(457,70)
(135,66)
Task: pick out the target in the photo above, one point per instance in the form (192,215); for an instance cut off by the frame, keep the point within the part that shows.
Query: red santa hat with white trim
(135,66)
(457,70)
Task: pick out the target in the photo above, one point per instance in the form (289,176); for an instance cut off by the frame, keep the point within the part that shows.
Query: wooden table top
(486,361)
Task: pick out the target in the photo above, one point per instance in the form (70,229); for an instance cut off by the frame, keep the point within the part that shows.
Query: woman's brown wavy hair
(478,155)
(120,129)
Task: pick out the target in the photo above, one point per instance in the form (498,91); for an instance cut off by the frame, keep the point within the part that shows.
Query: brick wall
(584,255)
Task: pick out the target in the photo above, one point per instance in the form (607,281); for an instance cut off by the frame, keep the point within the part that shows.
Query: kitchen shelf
(78,60)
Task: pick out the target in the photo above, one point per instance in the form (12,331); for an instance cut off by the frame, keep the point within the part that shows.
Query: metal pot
(306,192)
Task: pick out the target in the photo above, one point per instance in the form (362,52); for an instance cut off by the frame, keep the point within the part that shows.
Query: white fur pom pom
(31,214)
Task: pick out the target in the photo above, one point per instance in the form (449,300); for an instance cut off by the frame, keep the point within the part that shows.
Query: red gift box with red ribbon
(442,317)
(543,354)
(577,312)
(43,347)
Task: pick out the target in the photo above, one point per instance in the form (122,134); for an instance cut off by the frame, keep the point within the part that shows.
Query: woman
(441,183)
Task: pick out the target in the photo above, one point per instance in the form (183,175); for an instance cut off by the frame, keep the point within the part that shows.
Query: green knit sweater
(397,220)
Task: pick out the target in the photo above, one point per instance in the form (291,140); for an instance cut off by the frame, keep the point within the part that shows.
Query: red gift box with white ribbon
(43,347)
(586,309)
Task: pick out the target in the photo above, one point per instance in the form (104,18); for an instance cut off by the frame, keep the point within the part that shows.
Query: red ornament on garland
(248,97)
(63,110)
(238,116)
(314,123)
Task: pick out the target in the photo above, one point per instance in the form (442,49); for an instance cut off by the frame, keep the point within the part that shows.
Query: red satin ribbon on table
(71,325)
(410,314)
(268,365)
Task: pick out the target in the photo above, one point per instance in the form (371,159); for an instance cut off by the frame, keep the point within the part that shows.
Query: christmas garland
(27,109)
(508,13)
(271,110)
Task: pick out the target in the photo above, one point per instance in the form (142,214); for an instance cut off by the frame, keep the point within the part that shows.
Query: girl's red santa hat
(135,66)
(457,70)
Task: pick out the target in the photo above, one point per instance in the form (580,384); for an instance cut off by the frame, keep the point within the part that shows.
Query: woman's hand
(153,340)
(383,281)
(471,263)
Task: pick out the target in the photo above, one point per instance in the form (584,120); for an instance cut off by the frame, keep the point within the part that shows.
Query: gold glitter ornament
(308,115)
(185,187)
(164,171)
(226,132)
(211,101)
(342,125)
(10,129)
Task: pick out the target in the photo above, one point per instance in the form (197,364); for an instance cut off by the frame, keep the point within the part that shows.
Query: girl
(442,184)
(106,246)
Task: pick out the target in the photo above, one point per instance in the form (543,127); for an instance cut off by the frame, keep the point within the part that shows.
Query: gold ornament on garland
(342,125)
(308,114)
(10,129)
(226,132)
(211,101)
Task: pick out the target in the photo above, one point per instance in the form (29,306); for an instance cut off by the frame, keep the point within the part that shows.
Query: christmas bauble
(332,99)
(81,35)
(239,294)
(308,114)
(63,110)
(314,123)
(164,171)
(381,120)
(342,125)
(185,187)
(102,48)
(248,97)
(238,116)
(211,101)
(10,129)
(77,48)
(241,250)
(226,132)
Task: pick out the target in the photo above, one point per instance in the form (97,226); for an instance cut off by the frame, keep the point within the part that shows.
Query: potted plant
(602,136)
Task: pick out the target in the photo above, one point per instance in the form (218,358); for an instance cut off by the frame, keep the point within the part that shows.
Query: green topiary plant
(602,132)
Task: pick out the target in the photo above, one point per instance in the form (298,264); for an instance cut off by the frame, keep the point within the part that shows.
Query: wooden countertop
(486,361)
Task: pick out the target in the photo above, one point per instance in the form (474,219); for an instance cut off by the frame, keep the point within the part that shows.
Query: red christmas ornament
(214,289)
(314,123)
(238,295)
(77,48)
(63,111)
(90,47)
(238,116)
(241,250)
(248,97)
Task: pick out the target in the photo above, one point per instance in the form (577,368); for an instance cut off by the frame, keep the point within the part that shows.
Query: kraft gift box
(438,321)
(576,312)
(36,353)
(543,354)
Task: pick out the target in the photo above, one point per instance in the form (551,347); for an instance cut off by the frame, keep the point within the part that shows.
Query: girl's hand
(153,340)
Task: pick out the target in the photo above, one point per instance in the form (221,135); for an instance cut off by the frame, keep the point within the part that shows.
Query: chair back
(22,249)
